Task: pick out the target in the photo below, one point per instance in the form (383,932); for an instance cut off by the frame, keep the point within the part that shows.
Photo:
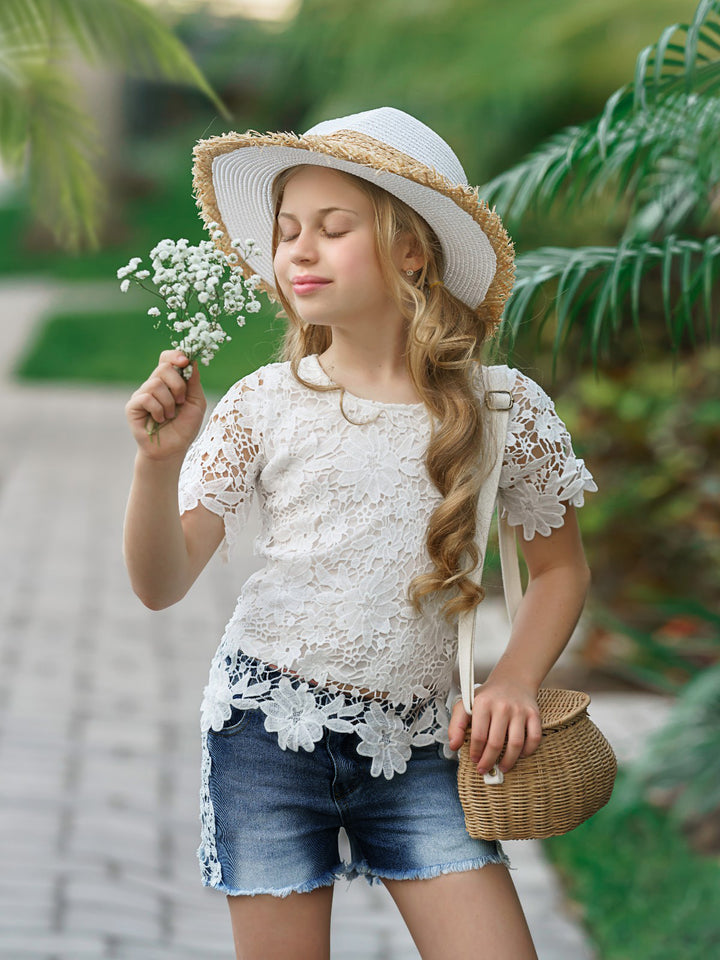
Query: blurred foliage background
(612,199)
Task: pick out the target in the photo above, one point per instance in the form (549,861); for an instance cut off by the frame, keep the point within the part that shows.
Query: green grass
(643,892)
(122,346)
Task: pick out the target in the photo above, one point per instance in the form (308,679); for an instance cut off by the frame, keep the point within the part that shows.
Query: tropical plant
(493,81)
(682,762)
(45,132)
(649,431)
(654,154)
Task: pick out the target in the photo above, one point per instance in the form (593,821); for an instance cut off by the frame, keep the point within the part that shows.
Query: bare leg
(276,928)
(475,914)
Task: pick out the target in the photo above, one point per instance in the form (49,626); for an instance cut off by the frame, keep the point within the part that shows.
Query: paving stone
(627,720)
(113,833)
(26,916)
(173,952)
(554,931)
(42,945)
(111,921)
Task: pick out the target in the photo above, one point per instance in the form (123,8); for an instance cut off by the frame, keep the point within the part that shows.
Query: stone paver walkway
(99,746)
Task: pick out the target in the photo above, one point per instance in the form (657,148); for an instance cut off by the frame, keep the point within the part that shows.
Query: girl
(327,703)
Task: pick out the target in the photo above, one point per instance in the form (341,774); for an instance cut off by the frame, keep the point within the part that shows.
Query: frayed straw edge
(368,152)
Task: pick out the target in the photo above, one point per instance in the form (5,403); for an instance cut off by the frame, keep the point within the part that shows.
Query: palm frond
(18,63)
(130,34)
(64,187)
(676,188)
(23,21)
(43,131)
(598,289)
(656,156)
(672,104)
(41,122)
(683,755)
(125,33)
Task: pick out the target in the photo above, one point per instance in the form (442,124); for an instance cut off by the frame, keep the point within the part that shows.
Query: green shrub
(642,893)
(682,759)
(650,434)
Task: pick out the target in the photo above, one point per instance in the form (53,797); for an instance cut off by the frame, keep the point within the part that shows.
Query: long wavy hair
(444,343)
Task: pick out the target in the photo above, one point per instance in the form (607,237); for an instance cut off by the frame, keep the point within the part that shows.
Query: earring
(409,272)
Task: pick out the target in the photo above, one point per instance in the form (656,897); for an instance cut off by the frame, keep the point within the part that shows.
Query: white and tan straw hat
(233,176)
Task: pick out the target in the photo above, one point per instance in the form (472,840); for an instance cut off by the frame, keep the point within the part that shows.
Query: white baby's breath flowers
(184,277)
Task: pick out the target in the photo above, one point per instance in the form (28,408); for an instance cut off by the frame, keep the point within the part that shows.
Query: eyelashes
(327,233)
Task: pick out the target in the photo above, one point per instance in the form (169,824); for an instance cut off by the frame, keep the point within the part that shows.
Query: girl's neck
(376,371)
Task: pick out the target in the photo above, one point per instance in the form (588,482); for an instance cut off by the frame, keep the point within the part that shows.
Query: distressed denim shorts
(278,813)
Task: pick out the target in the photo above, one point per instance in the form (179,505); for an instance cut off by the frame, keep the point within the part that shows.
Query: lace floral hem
(299,712)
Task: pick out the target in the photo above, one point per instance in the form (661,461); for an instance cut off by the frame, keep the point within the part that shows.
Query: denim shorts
(277,814)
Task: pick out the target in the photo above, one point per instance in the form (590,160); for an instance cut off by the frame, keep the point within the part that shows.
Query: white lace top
(344,511)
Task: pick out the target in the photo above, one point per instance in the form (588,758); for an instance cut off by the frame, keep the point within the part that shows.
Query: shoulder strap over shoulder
(498,382)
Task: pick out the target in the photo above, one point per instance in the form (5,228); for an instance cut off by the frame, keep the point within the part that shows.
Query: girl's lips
(305,285)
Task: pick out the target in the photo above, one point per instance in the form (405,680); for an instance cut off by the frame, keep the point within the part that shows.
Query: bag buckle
(494,401)
(494,776)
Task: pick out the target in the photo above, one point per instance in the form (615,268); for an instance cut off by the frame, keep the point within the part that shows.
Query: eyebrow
(324,211)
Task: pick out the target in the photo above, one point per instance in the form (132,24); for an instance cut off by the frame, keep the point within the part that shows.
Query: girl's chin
(317,320)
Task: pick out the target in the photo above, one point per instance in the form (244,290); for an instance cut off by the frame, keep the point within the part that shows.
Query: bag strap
(499,399)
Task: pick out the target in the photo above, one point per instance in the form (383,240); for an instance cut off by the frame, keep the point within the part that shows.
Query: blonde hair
(444,342)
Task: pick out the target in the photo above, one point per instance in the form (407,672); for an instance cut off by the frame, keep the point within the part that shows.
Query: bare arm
(506,704)
(165,552)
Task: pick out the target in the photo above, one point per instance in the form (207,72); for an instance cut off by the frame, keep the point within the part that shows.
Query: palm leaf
(670,154)
(609,280)
(126,33)
(24,21)
(129,34)
(65,190)
(642,124)
(44,133)
(16,64)
(683,755)
(41,122)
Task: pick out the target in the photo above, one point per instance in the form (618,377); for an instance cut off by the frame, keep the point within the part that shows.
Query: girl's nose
(304,248)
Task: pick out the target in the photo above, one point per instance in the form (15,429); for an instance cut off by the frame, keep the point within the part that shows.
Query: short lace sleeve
(540,471)
(221,466)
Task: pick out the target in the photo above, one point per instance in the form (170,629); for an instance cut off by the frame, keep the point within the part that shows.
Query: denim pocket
(235,723)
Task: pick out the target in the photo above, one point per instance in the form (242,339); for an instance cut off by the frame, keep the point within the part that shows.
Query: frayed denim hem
(362,869)
(326,879)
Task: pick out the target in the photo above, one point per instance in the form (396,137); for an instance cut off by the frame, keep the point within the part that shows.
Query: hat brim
(234,173)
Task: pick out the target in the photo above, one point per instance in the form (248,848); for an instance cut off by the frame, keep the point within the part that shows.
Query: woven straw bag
(571,774)
(568,778)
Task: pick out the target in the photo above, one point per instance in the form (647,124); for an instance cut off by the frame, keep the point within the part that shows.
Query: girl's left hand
(502,710)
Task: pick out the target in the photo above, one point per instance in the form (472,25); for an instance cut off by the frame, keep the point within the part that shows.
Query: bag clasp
(494,776)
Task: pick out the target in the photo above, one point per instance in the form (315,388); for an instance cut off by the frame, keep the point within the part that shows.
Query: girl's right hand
(171,402)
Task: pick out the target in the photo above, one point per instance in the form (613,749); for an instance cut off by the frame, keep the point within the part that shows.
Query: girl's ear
(408,255)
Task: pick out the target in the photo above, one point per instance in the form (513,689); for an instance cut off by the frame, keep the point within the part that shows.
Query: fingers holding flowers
(186,277)
(165,398)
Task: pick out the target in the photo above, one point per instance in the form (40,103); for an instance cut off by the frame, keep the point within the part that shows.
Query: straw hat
(233,176)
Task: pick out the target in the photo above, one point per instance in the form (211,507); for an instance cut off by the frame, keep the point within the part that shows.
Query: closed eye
(332,235)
